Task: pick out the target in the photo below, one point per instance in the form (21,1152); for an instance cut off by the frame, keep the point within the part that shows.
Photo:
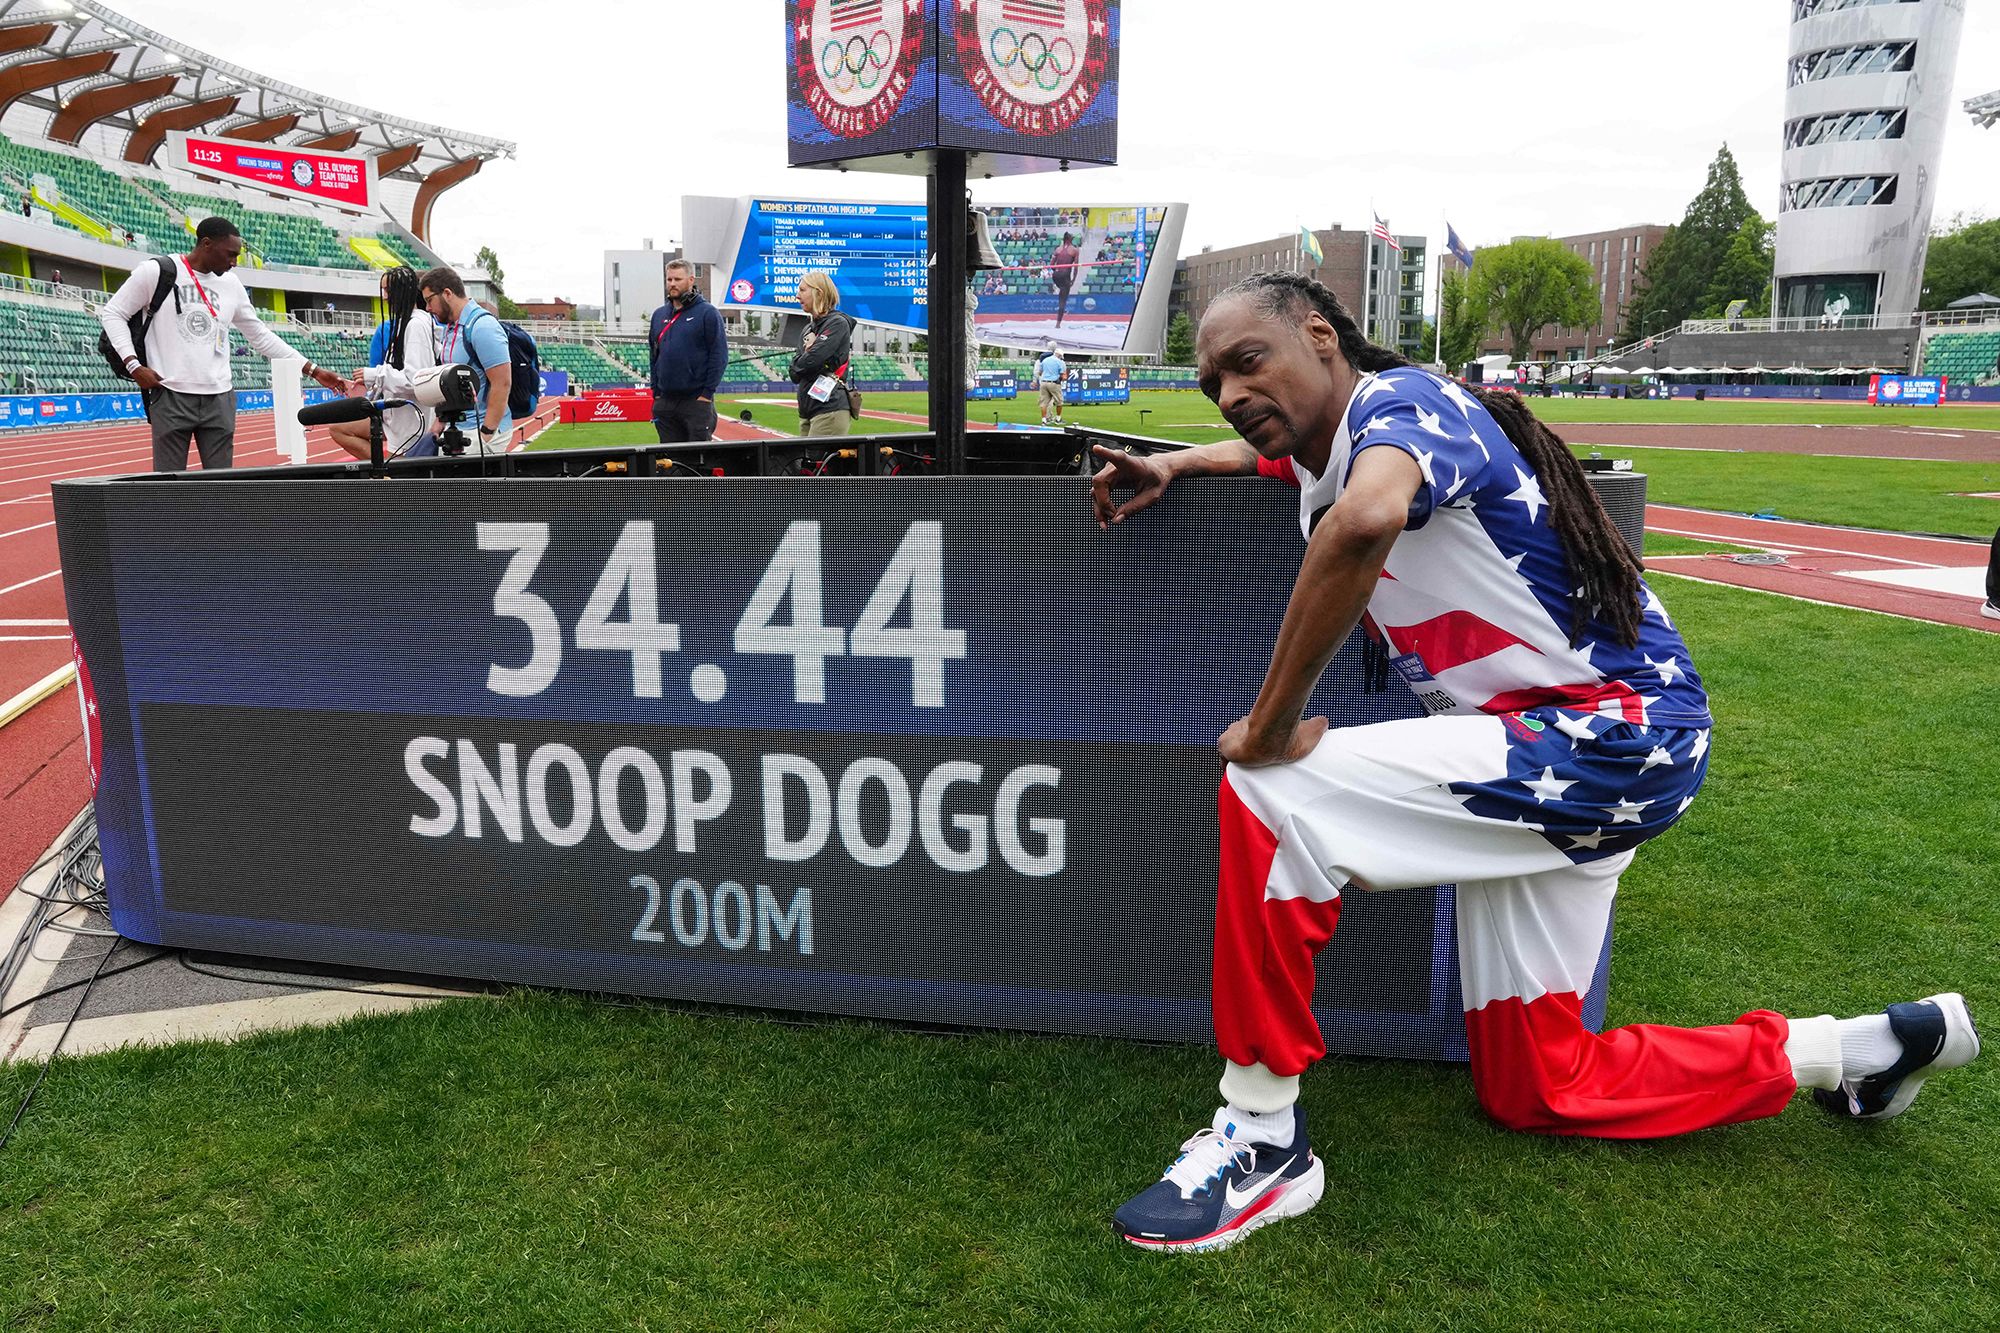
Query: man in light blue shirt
(470,335)
(1049,372)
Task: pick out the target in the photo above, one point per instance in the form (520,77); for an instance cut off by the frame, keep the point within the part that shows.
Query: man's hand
(328,380)
(704,400)
(146,378)
(1146,476)
(1258,748)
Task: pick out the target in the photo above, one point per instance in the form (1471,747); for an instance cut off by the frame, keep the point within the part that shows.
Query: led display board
(1080,277)
(1027,85)
(863,746)
(345,180)
(1906,390)
(1032,77)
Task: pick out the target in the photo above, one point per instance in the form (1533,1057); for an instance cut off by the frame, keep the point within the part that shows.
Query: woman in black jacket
(820,368)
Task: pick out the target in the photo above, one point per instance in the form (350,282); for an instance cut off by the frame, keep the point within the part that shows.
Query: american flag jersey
(1474,603)
(1606,745)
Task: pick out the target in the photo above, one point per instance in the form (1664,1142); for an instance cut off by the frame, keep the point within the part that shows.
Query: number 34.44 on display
(915,577)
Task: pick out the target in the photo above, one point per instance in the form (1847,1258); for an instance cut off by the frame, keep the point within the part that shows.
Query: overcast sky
(1506,117)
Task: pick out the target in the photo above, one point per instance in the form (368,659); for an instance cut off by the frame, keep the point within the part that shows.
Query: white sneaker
(1990,611)
(1937,1033)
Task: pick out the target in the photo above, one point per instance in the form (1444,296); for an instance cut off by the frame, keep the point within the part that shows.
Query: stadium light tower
(1984,109)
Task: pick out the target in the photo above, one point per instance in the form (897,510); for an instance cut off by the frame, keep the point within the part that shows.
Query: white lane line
(24,583)
(77,456)
(1819,601)
(1968,583)
(1979,543)
(1793,548)
(36,528)
(34,638)
(30,624)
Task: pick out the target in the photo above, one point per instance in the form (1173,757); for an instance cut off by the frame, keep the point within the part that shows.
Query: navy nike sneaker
(1936,1034)
(1221,1188)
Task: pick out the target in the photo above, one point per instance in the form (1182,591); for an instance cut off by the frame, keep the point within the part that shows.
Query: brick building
(1346,267)
(556,309)
(1615,258)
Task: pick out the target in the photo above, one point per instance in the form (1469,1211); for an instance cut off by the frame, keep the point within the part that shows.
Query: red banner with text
(345,180)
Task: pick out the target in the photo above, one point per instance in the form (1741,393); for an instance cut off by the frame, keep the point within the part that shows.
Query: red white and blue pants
(1533,816)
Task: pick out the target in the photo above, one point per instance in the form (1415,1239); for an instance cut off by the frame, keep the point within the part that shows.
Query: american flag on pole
(846,14)
(1381,232)
(1034,13)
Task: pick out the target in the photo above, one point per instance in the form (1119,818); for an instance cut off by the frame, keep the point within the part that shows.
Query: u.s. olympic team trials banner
(927,749)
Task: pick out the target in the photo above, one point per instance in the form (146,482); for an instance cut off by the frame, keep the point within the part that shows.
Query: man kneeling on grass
(1567,725)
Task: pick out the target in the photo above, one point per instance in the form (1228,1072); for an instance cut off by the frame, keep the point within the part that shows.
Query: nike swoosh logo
(1237,1200)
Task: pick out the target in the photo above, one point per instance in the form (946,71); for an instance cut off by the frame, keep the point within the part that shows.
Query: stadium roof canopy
(75,72)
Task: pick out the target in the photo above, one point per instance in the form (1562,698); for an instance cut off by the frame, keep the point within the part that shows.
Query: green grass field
(1890,494)
(546,1162)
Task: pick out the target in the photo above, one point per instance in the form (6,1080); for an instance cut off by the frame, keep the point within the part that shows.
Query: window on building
(1846,127)
(1805,9)
(1839,61)
(1837,192)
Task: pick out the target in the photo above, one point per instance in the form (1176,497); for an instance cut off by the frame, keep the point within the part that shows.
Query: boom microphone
(345,409)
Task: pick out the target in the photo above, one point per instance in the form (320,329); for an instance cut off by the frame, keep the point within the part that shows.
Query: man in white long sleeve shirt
(183,368)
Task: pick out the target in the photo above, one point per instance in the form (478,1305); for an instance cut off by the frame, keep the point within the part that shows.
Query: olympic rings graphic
(859,62)
(1034,55)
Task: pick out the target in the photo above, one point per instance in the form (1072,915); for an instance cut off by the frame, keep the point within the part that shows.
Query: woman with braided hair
(1564,726)
(404,343)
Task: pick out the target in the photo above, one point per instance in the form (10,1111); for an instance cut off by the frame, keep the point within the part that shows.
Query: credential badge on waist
(1423,684)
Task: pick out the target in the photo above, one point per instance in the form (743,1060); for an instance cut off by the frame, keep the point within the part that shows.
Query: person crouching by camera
(404,344)
(820,367)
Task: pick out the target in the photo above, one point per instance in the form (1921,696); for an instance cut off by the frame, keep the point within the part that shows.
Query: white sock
(1254,1088)
(1272,1127)
(1868,1045)
(1814,1048)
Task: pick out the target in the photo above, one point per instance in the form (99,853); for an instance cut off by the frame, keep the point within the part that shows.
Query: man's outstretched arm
(1343,563)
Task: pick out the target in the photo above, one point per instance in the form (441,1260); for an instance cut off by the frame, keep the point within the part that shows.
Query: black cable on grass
(61,1037)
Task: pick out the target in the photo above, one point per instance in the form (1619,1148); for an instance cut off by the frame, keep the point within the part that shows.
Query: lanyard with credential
(665,329)
(199,289)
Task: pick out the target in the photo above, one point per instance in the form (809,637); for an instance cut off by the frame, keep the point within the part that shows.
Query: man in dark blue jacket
(689,351)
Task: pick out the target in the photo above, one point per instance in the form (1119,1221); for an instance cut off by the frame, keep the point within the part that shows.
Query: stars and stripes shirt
(1474,603)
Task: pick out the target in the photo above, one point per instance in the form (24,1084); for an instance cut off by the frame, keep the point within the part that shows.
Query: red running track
(1922,578)
(42,777)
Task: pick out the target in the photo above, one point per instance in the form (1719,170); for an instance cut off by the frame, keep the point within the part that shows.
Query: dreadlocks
(1602,566)
(401,294)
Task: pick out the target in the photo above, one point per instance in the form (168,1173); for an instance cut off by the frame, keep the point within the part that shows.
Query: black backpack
(140,324)
(525,357)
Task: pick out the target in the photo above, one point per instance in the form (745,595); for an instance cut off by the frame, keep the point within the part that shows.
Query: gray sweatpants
(209,419)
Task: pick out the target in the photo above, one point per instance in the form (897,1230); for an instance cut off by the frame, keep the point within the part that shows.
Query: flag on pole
(1456,246)
(1381,232)
(1309,246)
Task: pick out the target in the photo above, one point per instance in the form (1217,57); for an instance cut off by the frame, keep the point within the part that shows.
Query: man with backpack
(689,352)
(471,335)
(167,330)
